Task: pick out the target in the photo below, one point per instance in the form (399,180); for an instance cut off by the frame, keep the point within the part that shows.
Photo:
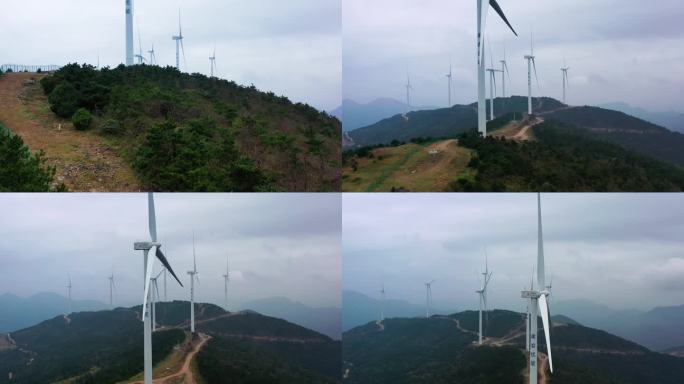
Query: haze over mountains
(17,312)
(356,115)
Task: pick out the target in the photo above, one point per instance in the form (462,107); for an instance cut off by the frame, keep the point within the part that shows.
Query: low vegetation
(184,132)
(22,171)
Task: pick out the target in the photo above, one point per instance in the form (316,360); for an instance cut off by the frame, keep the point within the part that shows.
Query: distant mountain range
(360,309)
(17,312)
(658,329)
(444,349)
(106,347)
(671,120)
(355,115)
(327,321)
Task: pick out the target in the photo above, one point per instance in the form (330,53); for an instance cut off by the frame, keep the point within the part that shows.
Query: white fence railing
(29,68)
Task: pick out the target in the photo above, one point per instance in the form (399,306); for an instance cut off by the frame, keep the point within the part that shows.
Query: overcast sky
(617,50)
(276,245)
(292,48)
(621,250)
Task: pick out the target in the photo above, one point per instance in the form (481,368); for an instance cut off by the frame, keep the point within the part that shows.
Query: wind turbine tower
(564,70)
(482,8)
(428,298)
(530,64)
(504,67)
(139,56)
(153,58)
(193,277)
(212,60)
(68,287)
(226,279)
(538,305)
(482,294)
(111,291)
(179,43)
(449,83)
(129,32)
(409,88)
(148,265)
(382,303)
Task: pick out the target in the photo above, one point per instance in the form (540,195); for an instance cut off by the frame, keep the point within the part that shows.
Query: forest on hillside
(189,132)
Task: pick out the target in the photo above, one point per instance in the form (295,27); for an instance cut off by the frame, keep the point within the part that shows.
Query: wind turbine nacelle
(144,245)
(530,294)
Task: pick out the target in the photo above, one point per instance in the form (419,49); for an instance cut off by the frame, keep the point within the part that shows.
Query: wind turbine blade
(152,218)
(535,72)
(498,10)
(507,73)
(544,309)
(194,261)
(491,56)
(166,264)
(148,279)
(185,63)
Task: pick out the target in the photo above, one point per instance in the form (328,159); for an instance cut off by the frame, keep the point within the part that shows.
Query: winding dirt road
(184,375)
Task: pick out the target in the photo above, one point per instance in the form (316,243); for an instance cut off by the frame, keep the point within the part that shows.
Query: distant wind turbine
(449,83)
(111,290)
(564,71)
(68,287)
(153,58)
(382,303)
(148,264)
(482,8)
(226,279)
(492,85)
(482,295)
(409,88)
(428,298)
(530,64)
(179,44)
(139,56)
(212,59)
(504,67)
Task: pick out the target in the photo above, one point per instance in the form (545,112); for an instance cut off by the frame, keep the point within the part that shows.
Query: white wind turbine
(504,67)
(68,287)
(129,32)
(382,303)
(564,71)
(539,304)
(492,85)
(148,265)
(179,44)
(409,88)
(482,8)
(448,76)
(111,290)
(153,58)
(482,295)
(139,56)
(193,277)
(226,279)
(530,64)
(212,60)
(155,299)
(428,298)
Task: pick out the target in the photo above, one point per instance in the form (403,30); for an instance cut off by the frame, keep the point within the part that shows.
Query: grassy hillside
(21,170)
(184,132)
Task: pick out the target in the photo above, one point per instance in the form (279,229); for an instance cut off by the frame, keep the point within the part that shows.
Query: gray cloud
(276,244)
(624,250)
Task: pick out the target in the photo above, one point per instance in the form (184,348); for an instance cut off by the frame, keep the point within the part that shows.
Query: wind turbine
(564,71)
(140,56)
(428,298)
(148,265)
(111,290)
(409,88)
(155,298)
(129,32)
(193,277)
(382,303)
(530,64)
(482,293)
(153,58)
(538,303)
(482,8)
(449,82)
(492,85)
(179,44)
(212,59)
(68,287)
(226,278)
(504,67)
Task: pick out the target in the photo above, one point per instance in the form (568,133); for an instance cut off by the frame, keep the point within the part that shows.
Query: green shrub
(21,171)
(111,127)
(82,119)
(48,83)
(64,100)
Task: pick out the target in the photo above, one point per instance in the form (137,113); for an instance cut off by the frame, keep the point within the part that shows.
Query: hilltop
(443,349)
(152,128)
(106,347)
(560,148)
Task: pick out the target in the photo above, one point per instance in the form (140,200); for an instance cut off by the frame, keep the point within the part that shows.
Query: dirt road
(185,374)
(85,161)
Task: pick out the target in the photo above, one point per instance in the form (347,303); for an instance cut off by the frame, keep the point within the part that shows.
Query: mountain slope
(443,349)
(671,120)
(324,320)
(355,115)
(182,132)
(106,347)
(17,312)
